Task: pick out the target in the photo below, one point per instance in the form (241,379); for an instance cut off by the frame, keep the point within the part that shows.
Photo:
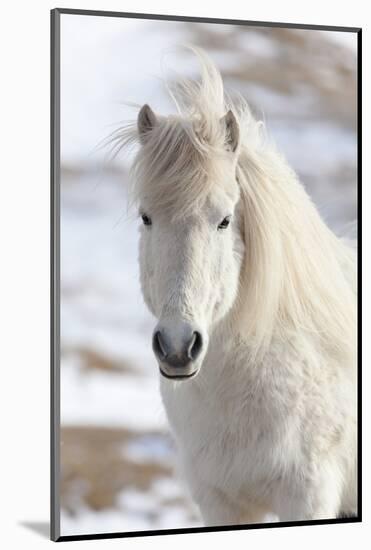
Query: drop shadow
(42,528)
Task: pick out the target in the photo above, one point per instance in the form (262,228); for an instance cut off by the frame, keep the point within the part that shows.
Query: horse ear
(147,120)
(232,131)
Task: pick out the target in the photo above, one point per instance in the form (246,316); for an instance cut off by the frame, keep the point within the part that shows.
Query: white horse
(256,305)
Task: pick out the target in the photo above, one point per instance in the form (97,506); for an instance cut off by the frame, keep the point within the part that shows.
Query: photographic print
(204,277)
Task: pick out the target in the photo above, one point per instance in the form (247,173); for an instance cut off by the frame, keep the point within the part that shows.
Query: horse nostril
(195,346)
(159,346)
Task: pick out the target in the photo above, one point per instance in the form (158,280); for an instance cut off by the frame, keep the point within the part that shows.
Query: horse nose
(177,347)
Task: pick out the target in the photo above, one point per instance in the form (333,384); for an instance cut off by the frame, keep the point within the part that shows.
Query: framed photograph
(205,213)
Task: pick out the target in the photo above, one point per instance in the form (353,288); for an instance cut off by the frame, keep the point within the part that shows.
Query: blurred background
(117,457)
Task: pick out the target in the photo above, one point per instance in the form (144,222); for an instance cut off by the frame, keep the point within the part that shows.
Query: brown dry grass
(95,360)
(301,58)
(94,470)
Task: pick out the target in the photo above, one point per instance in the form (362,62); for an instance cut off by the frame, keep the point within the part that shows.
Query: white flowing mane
(298,276)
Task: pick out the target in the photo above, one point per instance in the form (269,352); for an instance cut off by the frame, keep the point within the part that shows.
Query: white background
(24,268)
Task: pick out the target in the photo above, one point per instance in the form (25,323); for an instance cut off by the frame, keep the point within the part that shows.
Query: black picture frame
(55,272)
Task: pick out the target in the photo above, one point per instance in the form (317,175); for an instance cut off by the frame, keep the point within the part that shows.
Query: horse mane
(298,276)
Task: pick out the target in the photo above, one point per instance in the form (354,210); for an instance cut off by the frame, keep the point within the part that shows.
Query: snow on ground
(135,511)
(117,456)
(131,401)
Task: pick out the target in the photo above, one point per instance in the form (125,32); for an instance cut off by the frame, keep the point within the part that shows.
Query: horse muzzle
(178,347)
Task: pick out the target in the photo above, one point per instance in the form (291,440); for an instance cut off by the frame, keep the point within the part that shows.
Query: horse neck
(225,336)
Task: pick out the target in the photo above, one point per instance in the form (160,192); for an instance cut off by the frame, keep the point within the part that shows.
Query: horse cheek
(146,269)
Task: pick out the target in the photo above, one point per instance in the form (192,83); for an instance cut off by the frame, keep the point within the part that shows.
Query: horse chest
(227,431)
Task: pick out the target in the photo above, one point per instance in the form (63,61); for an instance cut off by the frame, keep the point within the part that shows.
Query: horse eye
(224,224)
(146,219)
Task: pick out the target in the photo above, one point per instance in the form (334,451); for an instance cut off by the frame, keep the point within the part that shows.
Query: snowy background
(117,458)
